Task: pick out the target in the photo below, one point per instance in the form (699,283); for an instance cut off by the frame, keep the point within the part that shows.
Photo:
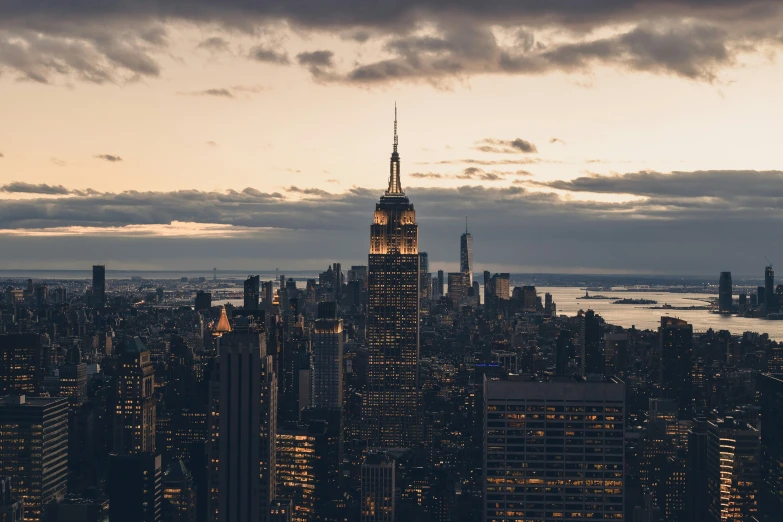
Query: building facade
(554,450)
(34,450)
(243,404)
(390,403)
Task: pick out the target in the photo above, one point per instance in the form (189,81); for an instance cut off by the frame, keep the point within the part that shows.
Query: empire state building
(390,404)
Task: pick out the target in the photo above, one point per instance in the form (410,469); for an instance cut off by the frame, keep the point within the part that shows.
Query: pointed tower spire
(395,186)
(395,127)
(466,224)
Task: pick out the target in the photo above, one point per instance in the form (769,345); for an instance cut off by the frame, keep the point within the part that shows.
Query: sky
(598,136)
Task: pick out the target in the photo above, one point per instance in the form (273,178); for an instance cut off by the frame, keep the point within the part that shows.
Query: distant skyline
(602,137)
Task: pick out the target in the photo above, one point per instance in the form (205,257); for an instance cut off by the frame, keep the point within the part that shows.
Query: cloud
(557,140)
(1,155)
(218,93)
(486,163)
(265,54)
(319,58)
(20,187)
(308,191)
(116,41)
(212,144)
(728,185)
(684,233)
(109,157)
(214,44)
(426,175)
(58,162)
(515,146)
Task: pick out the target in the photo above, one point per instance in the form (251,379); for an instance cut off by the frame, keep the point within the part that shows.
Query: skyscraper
(134,414)
(590,347)
(770,299)
(441,282)
(34,449)
(390,403)
(554,450)
(21,363)
(733,471)
(99,285)
(243,402)
(725,292)
(466,254)
(252,286)
(134,487)
(377,488)
(771,402)
(328,358)
(676,344)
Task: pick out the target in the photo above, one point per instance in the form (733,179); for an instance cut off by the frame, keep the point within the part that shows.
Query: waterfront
(645,318)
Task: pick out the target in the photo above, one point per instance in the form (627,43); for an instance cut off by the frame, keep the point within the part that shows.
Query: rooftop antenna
(395,127)
(466,225)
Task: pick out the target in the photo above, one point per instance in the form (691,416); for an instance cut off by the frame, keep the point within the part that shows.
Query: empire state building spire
(395,187)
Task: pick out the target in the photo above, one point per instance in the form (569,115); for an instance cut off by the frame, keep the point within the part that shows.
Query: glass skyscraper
(390,404)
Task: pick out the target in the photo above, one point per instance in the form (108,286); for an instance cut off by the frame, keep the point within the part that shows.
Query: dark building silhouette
(99,286)
(243,402)
(590,346)
(34,449)
(11,505)
(676,352)
(725,292)
(770,299)
(203,301)
(441,281)
(771,402)
(390,402)
(615,352)
(134,415)
(328,358)
(252,292)
(179,494)
(21,363)
(377,491)
(134,486)
(466,254)
(77,509)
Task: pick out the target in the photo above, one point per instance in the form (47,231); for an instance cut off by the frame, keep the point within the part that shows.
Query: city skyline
(234,129)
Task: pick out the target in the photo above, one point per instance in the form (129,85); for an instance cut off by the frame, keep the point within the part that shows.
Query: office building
(676,352)
(466,254)
(134,487)
(203,301)
(733,470)
(282,510)
(498,287)
(459,284)
(554,450)
(377,490)
(11,505)
(615,352)
(134,414)
(441,282)
(243,403)
(252,292)
(591,356)
(771,402)
(307,461)
(21,363)
(99,286)
(34,449)
(770,299)
(179,493)
(77,509)
(73,382)
(328,358)
(725,293)
(390,403)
